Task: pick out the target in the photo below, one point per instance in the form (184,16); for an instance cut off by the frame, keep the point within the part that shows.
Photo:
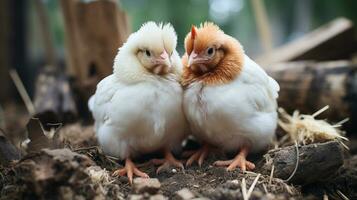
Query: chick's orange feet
(198,156)
(239,161)
(166,162)
(130,170)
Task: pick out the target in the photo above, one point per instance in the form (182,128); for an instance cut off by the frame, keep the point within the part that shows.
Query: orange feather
(230,62)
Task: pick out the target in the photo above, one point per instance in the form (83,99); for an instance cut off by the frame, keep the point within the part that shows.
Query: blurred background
(287,20)
(79,38)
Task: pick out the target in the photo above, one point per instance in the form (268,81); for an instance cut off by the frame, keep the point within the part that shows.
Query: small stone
(149,185)
(136,197)
(158,197)
(174,170)
(184,194)
(235,181)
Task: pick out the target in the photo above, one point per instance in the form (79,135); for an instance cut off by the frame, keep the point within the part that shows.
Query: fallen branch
(23,93)
(316,162)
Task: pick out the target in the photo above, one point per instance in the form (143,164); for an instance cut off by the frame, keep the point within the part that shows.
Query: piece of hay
(99,175)
(306,129)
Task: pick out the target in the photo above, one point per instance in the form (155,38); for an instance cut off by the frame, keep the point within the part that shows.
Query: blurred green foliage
(288,19)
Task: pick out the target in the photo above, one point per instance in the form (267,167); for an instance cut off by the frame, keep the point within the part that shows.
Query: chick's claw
(238,161)
(130,170)
(198,156)
(168,161)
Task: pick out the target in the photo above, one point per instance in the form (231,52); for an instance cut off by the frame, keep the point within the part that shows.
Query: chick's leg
(238,161)
(168,160)
(130,169)
(198,156)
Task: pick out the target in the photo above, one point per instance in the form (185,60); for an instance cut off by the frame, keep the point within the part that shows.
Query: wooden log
(316,162)
(333,41)
(309,86)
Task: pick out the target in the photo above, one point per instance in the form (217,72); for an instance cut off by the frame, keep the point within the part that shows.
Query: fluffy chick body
(131,120)
(136,111)
(235,114)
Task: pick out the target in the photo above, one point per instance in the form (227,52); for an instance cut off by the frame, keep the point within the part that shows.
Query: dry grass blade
(271,174)
(306,129)
(296,164)
(252,186)
(244,189)
(265,188)
(342,195)
(320,111)
(23,93)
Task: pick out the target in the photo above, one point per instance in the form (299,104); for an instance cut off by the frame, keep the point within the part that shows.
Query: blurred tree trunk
(94,31)
(4,53)
(12,44)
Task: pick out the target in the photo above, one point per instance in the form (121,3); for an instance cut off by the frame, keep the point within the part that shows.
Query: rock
(136,197)
(146,196)
(158,197)
(184,194)
(149,185)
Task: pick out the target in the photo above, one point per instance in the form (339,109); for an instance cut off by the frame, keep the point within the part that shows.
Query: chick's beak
(164,59)
(194,58)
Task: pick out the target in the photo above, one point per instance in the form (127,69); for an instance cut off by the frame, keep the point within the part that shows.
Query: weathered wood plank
(309,86)
(333,41)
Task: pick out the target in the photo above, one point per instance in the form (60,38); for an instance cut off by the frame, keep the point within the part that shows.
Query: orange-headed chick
(229,100)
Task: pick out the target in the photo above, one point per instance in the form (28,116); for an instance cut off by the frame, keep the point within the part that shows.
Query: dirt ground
(77,169)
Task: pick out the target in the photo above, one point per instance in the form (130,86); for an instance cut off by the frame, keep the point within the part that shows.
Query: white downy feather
(242,112)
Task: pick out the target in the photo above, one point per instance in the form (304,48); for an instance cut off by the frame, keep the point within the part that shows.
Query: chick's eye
(210,51)
(147,52)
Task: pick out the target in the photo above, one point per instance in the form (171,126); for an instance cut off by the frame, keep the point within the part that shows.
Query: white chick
(138,108)
(230,102)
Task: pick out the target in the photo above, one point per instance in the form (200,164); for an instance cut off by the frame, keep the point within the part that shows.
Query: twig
(21,88)
(296,164)
(244,189)
(265,188)
(86,148)
(252,186)
(112,158)
(271,174)
(342,195)
(342,121)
